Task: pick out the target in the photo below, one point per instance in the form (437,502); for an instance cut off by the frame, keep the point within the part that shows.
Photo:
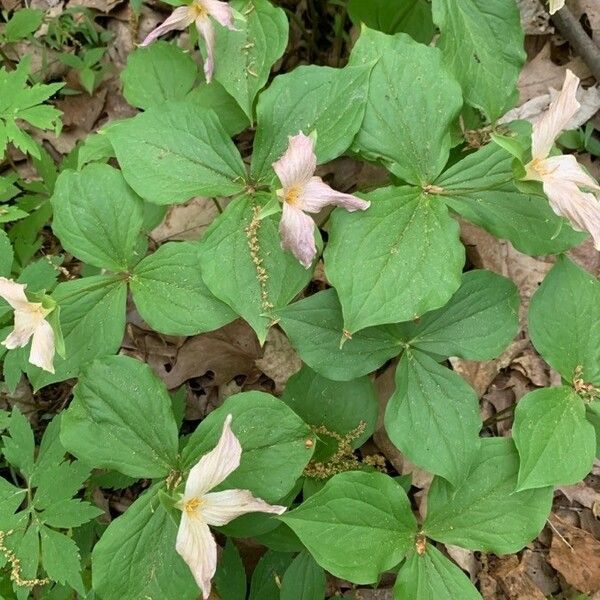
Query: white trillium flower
(30,323)
(555,5)
(561,176)
(202,508)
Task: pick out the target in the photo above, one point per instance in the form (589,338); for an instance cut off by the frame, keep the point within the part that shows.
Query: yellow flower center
(538,165)
(197,10)
(292,195)
(192,506)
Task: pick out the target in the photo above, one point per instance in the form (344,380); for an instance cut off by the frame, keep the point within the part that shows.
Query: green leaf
(97,217)
(120,418)
(478,323)
(20,446)
(136,558)
(408,85)
(157,73)
(482,44)
(315,328)
(60,559)
(11,498)
(265,584)
(95,148)
(556,444)
(369,512)
(23,23)
(404,236)
(431,576)
(330,102)
(230,577)
(92,317)
(433,417)
(485,512)
(273,439)
(69,513)
(593,417)
(239,240)
(59,483)
(303,580)
(171,296)
(6,255)
(246,55)
(480,188)
(395,16)
(175,151)
(564,322)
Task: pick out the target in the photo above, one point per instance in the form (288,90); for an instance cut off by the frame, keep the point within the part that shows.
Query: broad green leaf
(556,443)
(120,418)
(303,580)
(593,417)
(27,550)
(564,322)
(95,148)
(175,151)
(171,296)
(11,498)
(247,245)
(395,16)
(281,539)
(6,255)
(92,317)
(23,23)
(60,559)
(330,102)
(97,217)
(245,56)
(19,447)
(395,261)
(136,558)
(267,576)
(59,482)
(369,512)
(478,323)
(10,213)
(157,73)
(433,417)
(230,577)
(485,512)
(69,513)
(480,188)
(315,328)
(482,44)
(431,576)
(408,85)
(273,439)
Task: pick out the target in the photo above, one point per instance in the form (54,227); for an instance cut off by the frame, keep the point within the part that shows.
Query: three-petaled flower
(30,323)
(562,177)
(200,13)
(303,193)
(202,508)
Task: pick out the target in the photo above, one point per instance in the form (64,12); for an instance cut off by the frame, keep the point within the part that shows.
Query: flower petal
(196,545)
(555,5)
(297,234)
(215,466)
(219,508)
(13,293)
(560,112)
(566,168)
(582,209)
(42,347)
(207,32)
(180,18)
(27,321)
(317,194)
(298,163)
(220,11)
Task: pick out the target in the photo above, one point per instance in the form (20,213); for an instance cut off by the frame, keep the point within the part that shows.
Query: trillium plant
(234,327)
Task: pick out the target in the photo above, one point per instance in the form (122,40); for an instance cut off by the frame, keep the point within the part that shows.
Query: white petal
(13,293)
(560,112)
(582,209)
(555,5)
(566,168)
(298,163)
(207,32)
(27,321)
(317,194)
(219,508)
(42,347)
(215,466)
(297,234)
(180,18)
(198,548)
(220,11)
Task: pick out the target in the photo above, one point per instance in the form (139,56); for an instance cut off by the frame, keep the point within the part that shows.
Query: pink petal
(180,18)
(42,347)
(317,194)
(219,508)
(207,32)
(298,163)
(560,112)
(215,466)
(297,234)
(567,168)
(555,5)
(196,545)
(13,293)
(220,11)
(27,321)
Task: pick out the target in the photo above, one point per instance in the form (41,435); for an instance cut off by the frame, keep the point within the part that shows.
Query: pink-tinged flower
(30,323)
(202,508)
(200,13)
(302,193)
(561,176)
(555,5)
